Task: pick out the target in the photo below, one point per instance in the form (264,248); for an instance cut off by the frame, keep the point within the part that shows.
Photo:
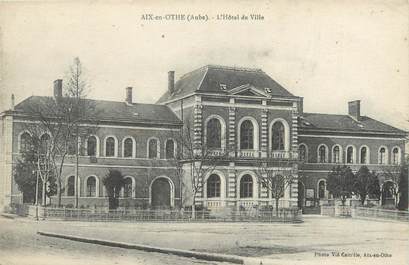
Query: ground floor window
(246,187)
(213,186)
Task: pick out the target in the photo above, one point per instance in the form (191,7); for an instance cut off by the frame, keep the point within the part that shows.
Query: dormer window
(223,87)
(267,90)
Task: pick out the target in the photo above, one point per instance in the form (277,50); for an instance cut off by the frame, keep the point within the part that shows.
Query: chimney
(12,102)
(58,88)
(354,109)
(171,82)
(128,98)
(300,106)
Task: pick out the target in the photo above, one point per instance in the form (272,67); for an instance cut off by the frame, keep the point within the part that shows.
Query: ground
(317,240)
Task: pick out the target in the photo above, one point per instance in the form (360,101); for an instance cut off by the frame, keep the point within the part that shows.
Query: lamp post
(36,193)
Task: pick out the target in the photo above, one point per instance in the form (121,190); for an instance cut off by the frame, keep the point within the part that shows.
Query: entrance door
(160,193)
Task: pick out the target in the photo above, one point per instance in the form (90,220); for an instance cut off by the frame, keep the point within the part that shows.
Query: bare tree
(391,174)
(275,177)
(65,119)
(194,161)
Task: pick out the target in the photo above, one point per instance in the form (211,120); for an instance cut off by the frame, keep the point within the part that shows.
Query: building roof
(114,111)
(335,122)
(210,77)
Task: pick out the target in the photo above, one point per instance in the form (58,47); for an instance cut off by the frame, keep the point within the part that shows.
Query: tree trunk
(58,193)
(343,200)
(363,197)
(277,201)
(194,207)
(43,194)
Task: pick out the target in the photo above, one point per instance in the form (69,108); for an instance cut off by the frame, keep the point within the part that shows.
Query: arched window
(350,155)
(153,148)
(246,187)
(92,146)
(91,187)
(213,186)
(302,152)
(214,134)
(364,155)
(395,156)
(45,143)
(170,149)
(128,147)
(128,188)
(382,156)
(321,189)
(71,186)
(336,154)
(246,135)
(71,146)
(25,142)
(278,136)
(110,147)
(322,154)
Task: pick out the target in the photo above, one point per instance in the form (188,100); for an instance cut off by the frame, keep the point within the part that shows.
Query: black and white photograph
(200,133)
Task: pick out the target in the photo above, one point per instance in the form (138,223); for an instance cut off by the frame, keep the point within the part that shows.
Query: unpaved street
(20,245)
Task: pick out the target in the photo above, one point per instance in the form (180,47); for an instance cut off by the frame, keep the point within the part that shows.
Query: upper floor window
(92,146)
(278,135)
(170,149)
(382,157)
(153,147)
(302,152)
(110,147)
(246,187)
(322,154)
(246,135)
(128,147)
(45,143)
(395,156)
(213,186)
(25,142)
(336,154)
(72,142)
(364,155)
(214,133)
(91,187)
(350,155)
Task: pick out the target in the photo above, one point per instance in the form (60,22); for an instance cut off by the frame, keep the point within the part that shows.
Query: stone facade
(234,99)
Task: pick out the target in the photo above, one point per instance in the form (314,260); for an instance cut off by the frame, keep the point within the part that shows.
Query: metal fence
(18,209)
(69,214)
(380,213)
(365,212)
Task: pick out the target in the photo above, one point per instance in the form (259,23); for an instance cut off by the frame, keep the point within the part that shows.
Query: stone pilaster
(197,124)
(231,184)
(6,162)
(264,133)
(232,130)
(294,127)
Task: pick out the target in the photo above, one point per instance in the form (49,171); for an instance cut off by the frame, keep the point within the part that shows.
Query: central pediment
(249,90)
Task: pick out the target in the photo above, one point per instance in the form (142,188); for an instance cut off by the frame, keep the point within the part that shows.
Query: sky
(329,52)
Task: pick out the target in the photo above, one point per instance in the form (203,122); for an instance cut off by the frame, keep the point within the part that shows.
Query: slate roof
(314,121)
(114,111)
(209,78)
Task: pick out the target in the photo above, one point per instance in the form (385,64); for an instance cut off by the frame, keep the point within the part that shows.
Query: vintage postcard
(204,132)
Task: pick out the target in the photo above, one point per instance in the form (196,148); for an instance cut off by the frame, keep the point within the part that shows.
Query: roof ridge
(235,68)
(224,67)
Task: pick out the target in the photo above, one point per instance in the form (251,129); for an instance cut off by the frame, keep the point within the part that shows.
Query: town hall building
(240,115)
